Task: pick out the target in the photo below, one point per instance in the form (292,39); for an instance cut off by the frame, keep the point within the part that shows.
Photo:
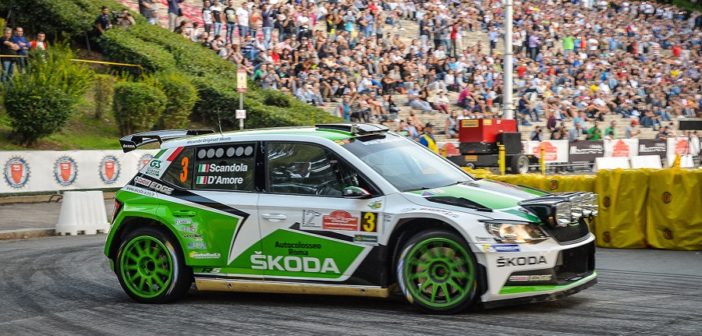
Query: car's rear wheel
(150,267)
(437,272)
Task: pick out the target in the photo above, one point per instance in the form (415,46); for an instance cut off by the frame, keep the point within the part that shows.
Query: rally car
(340,209)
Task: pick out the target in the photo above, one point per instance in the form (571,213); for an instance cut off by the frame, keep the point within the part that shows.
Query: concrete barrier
(646,161)
(611,163)
(82,212)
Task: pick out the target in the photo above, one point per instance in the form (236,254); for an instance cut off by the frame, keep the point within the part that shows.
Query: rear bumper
(542,293)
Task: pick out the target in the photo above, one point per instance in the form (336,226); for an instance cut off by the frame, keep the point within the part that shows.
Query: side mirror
(356,192)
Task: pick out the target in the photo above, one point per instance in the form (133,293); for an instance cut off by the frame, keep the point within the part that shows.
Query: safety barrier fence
(639,208)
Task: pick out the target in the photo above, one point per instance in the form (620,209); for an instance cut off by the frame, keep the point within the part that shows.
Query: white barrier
(82,212)
(611,163)
(37,171)
(646,161)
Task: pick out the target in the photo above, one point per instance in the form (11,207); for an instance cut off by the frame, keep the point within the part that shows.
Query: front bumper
(543,271)
(544,293)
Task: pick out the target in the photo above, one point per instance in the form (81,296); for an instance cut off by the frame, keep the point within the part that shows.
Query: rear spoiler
(134,141)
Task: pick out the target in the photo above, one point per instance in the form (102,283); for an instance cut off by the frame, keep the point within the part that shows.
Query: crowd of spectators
(14,48)
(576,61)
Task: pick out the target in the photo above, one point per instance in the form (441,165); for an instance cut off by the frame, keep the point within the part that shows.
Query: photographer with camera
(125,19)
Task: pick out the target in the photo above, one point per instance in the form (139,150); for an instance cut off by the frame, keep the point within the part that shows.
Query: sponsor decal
(531,278)
(365,239)
(667,197)
(260,261)
(192,236)
(183,221)
(196,245)
(550,151)
(144,160)
(204,255)
(375,205)
(16,172)
(311,219)
(191,228)
(154,168)
(369,222)
(300,246)
(447,213)
(219,180)
(606,201)
(606,237)
(65,171)
(520,261)
(427,193)
(340,220)
(153,185)
(109,169)
(501,248)
(139,191)
(553,185)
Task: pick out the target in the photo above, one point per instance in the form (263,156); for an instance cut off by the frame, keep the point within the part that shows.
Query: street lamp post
(507,66)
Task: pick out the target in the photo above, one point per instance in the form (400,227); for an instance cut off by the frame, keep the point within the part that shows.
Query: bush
(121,46)
(182,97)
(137,106)
(103,92)
(40,101)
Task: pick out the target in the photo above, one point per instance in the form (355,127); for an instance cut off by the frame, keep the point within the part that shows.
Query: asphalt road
(63,286)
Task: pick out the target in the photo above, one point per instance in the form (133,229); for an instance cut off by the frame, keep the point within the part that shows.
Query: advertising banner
(38,171)
(653,147)
(678,146)
(621,148)
(585,151)
(555,151)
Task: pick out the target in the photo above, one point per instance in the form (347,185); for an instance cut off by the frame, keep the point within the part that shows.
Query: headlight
(517,232)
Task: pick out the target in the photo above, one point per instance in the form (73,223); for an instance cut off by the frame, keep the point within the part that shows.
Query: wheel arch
(131,223)
(408,227)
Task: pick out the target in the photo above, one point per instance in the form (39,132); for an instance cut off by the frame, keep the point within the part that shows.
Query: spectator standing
(609,132)
(7,48)
(230,17)
(632,131)
(594,133)
(103,23)
(21,41)
(148,9)
(242,15)
(427,138)
(125,19)
(207,16)
(217,17)
(174,12)
(575,133)
(40,42)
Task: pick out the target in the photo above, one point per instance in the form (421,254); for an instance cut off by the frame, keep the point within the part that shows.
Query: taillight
(115,212)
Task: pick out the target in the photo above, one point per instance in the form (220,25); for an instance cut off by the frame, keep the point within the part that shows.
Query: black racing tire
(437,272)
(151,267)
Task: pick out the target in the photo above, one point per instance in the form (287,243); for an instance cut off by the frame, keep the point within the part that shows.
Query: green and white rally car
(340,209)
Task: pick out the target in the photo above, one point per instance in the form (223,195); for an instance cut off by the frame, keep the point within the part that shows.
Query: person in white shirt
(242,15)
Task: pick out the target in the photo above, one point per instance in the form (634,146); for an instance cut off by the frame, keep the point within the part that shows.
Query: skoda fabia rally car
(340,209)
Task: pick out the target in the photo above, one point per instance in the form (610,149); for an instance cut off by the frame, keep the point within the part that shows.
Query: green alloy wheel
(437,272)
(149,268)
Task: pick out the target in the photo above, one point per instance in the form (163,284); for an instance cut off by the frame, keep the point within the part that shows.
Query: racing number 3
(369,221)
(184,173)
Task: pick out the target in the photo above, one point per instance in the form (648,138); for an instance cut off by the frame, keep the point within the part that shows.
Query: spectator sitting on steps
(427,139)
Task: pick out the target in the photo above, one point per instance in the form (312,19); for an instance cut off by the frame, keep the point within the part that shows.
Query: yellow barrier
(621,222)
(638,208)
(674,209)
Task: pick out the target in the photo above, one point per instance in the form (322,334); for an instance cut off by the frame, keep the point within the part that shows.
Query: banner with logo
(653,147)
(555,151)
(621,148)
(585,151)
(39,171)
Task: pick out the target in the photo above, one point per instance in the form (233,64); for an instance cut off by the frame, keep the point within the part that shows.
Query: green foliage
(40,101)
(121,46)
(182,96)
(58,17)
(103,92)
(137,106)
(275,98)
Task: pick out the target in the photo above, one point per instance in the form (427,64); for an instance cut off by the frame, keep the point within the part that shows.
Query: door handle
(274,217)
(184,213)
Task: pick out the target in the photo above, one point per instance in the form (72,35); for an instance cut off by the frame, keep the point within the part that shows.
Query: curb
(26,233)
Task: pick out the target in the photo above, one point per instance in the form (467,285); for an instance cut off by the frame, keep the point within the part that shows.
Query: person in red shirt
(521,70)
(677,51)
(39,43)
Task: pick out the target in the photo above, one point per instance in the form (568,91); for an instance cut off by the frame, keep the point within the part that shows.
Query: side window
(180,172)
(225,167)
(306,169)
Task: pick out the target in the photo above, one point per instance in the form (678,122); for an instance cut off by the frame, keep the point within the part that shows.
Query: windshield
(407,165)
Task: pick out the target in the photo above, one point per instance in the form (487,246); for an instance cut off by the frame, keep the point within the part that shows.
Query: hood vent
(459,202)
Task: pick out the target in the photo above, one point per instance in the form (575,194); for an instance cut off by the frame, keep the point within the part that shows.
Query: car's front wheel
(437,272)
(151,268)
